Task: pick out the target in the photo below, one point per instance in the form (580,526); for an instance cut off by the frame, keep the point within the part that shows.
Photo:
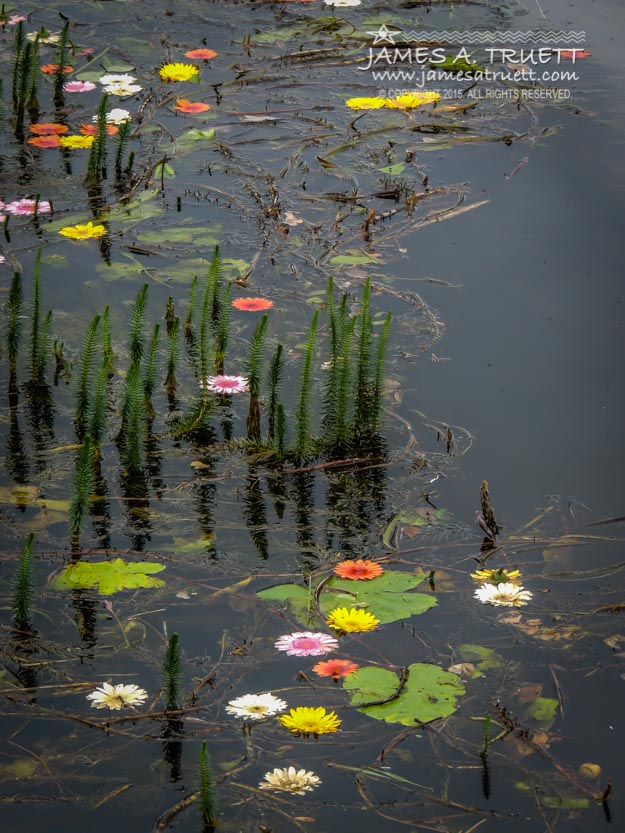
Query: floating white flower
(119,84)
(44,37)
(116,116)
(117,697)
(255,706)
(505,594)
(296,782)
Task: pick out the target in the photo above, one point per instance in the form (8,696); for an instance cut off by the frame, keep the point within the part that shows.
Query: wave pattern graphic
(534,37)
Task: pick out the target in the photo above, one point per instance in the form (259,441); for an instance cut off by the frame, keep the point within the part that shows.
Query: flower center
(304,642)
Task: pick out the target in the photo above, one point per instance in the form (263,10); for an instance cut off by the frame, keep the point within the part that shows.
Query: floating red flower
(200,54)
(48,129)
(252,304)
(575,54)
(92,129)
(335,668)
(360,570)
(51,69)
(183,105)
(44,141)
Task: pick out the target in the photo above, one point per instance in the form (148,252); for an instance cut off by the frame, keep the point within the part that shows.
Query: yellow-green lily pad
(108,576)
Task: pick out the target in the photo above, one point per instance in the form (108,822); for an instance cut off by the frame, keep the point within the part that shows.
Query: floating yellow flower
(366,103)
(76,141)
(353,620)
(83,232)
(310,721)
(497,576)
(409,101)
(178,72)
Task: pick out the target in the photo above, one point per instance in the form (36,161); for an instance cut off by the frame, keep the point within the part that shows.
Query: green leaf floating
(543,711)
(385,596)
(428,694)
(109,576)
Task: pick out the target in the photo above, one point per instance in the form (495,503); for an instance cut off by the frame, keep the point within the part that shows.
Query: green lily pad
(428,694)
(177,234)
(555,802)
(297,599)
(484,658)
(542,712)
(184,271)
(353,257)
(386,596)
(195,138)
(108,576)
(124,269)
(413,517)
(19,770)
(394,170)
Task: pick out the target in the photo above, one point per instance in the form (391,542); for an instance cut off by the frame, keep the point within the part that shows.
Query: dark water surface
(520,354)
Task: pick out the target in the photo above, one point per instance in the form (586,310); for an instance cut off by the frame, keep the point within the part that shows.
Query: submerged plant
(207,788)
(487,518)
(40,331)
(151,368)
(173,332)
(81,489)
(84,384)
(253,369)
(210,311)
(24,586)
(302,415)
(122,140)
(14,324)
(172,674)
(276,368)
(59,78)
(96,166)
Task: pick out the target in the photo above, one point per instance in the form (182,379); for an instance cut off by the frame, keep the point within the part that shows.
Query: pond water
(490,228)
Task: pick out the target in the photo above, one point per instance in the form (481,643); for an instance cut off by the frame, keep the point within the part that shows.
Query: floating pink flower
(13,20)
(78,86)
(226,384)
(26,207)
(306,644)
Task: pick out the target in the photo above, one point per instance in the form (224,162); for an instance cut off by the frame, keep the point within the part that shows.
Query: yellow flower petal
(310,721)
(76,141)
(178,72)
(83,232)
(353,620)
(409,101)
(366,103)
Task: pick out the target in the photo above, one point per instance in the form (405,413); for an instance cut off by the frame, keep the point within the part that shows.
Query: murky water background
(521,352)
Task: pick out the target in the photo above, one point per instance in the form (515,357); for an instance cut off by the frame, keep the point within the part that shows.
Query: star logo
(384,35)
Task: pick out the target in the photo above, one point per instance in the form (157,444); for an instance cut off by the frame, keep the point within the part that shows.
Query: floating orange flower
(50,69)
(575,54)
(360,570)
(45,141)
(48,128)
(186,106)
(200,54)
(92,129)
(335,668)
(252,304)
